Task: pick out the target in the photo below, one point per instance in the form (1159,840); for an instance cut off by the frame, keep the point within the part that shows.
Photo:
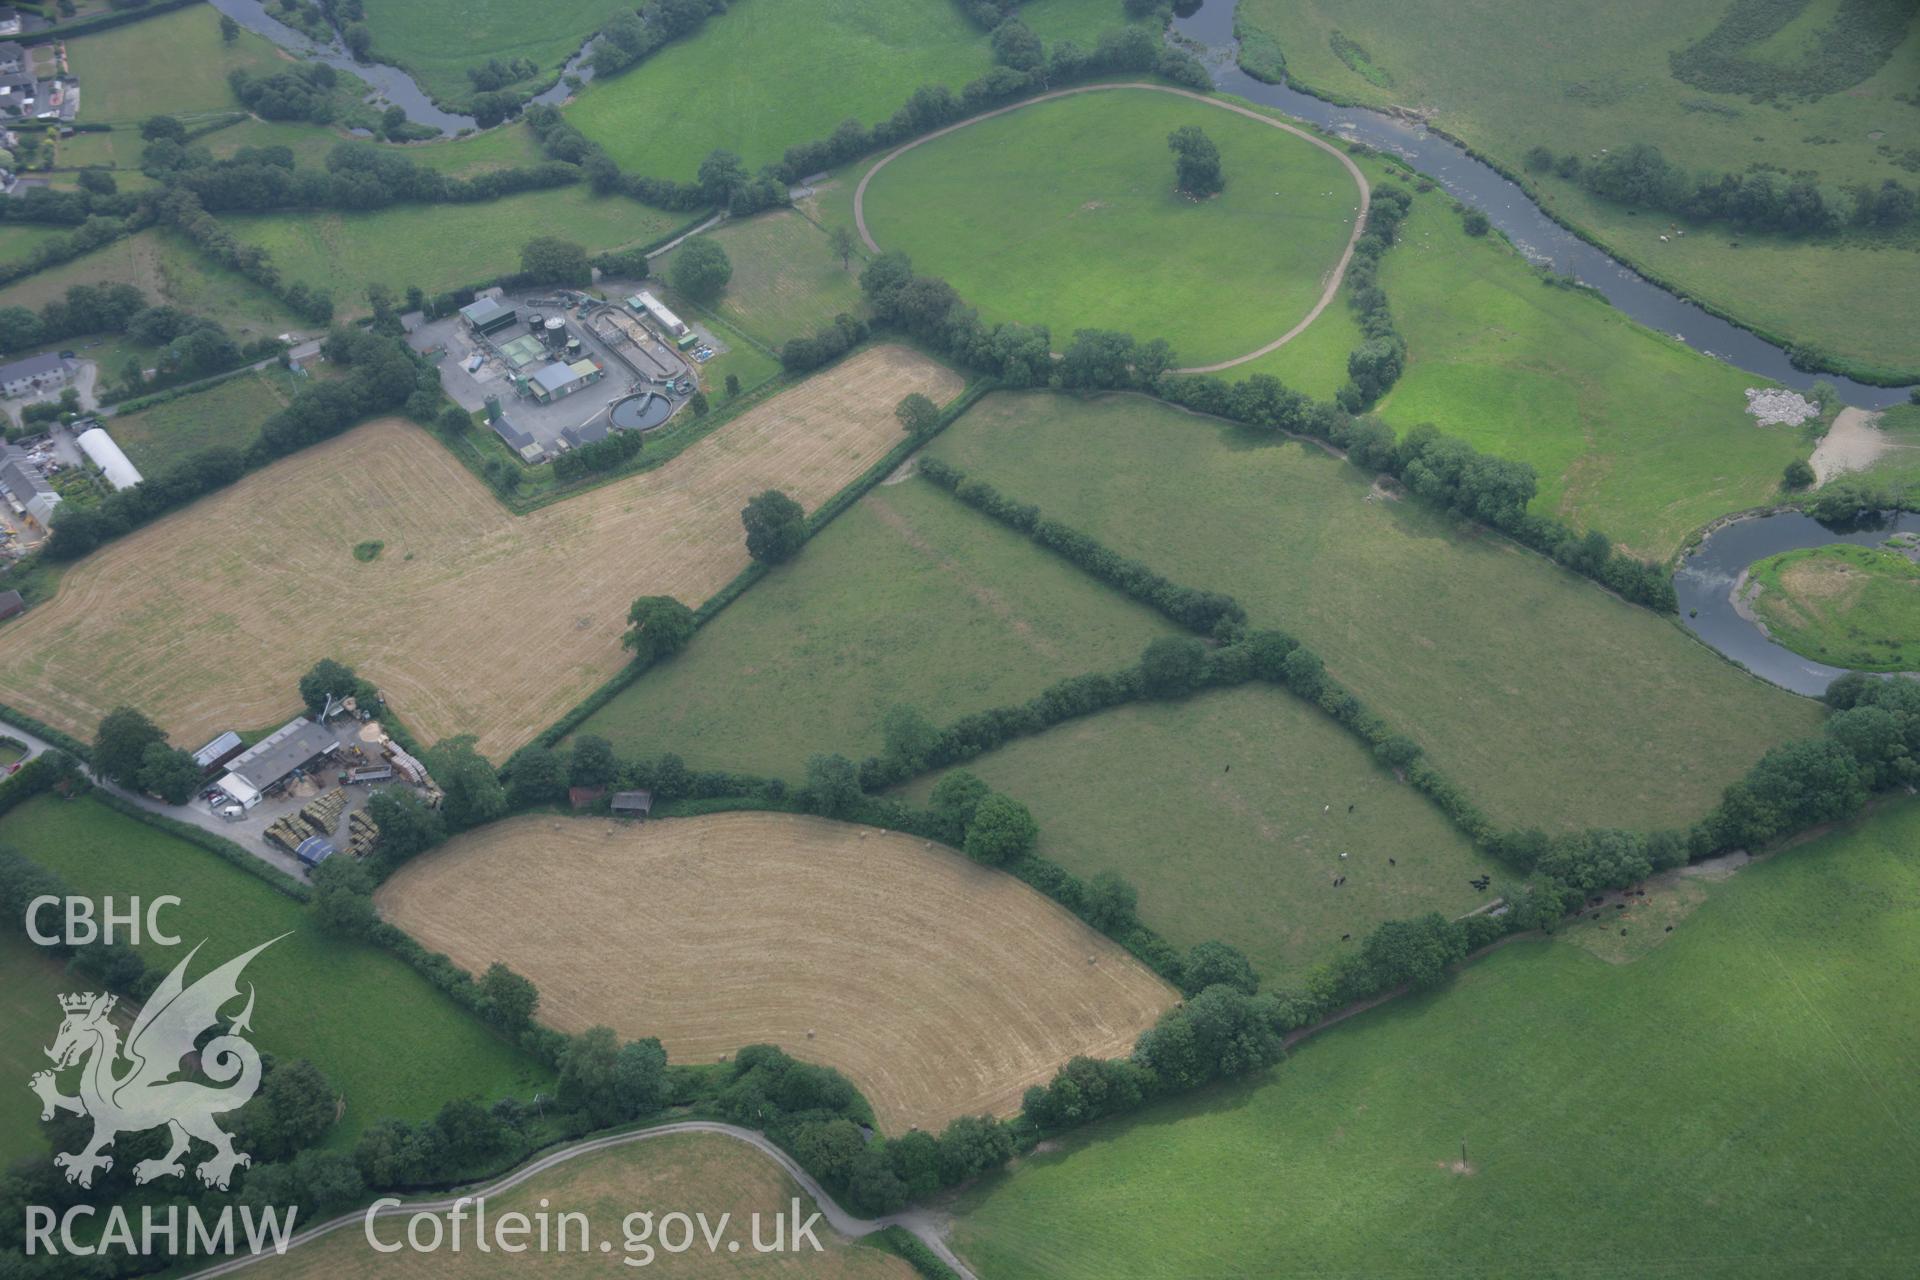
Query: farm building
(520,442)
(632,804)
(10,604)
(557,381)
(27,488)
(106,455)
(255,771)
(218,752)
(653,307)
(487,315)
(35,375)
(305,355)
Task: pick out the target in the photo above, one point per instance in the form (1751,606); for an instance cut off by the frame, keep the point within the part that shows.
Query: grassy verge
(1763,1141)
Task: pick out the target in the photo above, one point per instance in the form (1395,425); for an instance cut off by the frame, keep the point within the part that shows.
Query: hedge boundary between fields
(821,516)
(1307,678)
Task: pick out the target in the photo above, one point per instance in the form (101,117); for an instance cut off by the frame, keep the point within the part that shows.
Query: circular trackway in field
(1062,211)
(939,987)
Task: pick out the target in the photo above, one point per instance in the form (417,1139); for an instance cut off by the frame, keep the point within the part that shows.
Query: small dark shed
(632,804)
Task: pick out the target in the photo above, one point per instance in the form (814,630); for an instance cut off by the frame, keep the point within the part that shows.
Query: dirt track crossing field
(939,987)
(471,620)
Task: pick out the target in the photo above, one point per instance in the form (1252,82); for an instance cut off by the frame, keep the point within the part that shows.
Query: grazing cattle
(1346,937)
(1392,863)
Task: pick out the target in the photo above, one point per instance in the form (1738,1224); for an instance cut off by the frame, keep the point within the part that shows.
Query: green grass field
(438,45)
(909,597)
(31,984)
(771,73)
(1629,430)
(1578,78)
(786,282)
(225,416)
(1734,1103)
(390,1043)
(129,73)
(1850,606)
(1551,702)
(1900,464)
(1212,808)
(1065,213)
(1841,295)
(441,246)
(169,270)
(17,239)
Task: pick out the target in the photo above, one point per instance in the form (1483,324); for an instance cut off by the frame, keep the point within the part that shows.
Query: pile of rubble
(1780,408)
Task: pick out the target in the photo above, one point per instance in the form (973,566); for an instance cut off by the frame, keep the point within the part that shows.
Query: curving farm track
(1338,274)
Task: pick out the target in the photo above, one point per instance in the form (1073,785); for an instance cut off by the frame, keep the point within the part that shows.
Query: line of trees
(1376,364)
(358,175)
(1761,199)
(181,210)
(1441,469)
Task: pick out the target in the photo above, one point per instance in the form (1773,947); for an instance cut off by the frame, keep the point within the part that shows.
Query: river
(1513,211)
(1468,180)
(391,86)
(1706,579)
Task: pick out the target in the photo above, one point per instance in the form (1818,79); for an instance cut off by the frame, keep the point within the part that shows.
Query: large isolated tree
(776,526)
(1196,161)
(701,269)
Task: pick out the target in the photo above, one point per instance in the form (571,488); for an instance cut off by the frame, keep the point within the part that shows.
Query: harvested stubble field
(473,620)
(939,987)
(682,1172)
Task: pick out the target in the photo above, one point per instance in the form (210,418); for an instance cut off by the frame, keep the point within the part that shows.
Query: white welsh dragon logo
(145,1095)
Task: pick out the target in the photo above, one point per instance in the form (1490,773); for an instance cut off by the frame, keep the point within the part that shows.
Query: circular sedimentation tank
(642,412)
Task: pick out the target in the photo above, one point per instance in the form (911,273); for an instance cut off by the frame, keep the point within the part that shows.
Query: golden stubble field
(472,620)
(939,987)
(675,1173)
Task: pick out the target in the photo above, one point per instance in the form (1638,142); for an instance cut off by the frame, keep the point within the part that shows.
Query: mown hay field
(681,1172)
(1550,702)
(472,621)
(939,987)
